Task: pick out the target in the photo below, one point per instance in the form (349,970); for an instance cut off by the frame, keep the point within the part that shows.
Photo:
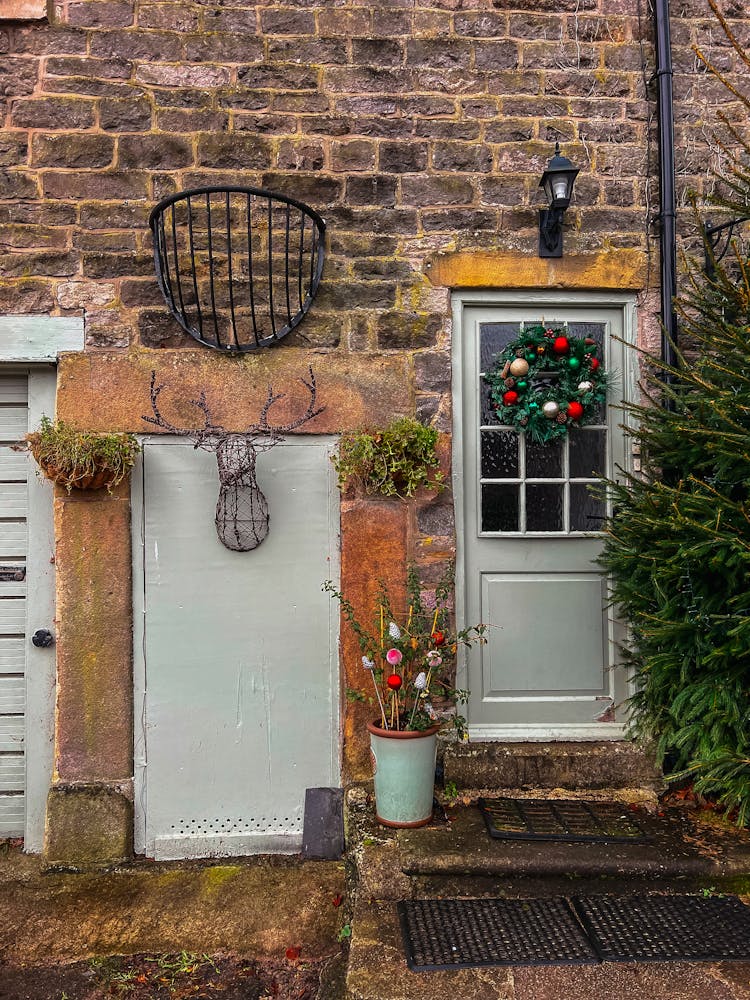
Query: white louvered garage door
(13,549)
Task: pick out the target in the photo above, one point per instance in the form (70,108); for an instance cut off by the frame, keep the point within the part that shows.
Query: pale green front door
(531,533)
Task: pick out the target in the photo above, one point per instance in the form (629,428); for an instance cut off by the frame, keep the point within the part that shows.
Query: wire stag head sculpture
(242,516)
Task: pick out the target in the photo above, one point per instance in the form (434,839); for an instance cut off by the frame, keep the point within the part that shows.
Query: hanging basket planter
(81,460)
(238,267)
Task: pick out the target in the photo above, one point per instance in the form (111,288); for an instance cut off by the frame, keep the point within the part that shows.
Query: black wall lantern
(557,180)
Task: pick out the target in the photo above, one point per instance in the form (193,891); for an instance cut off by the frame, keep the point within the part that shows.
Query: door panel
(530,540)
(240,699)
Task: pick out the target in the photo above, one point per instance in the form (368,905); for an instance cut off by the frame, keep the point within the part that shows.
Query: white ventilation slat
(14,465)
(13,422)
(12,615)
(12,815)
(14,500)
(12,772)
(14,389)
(13,540)
(12,655)
(12,694)
(11,733)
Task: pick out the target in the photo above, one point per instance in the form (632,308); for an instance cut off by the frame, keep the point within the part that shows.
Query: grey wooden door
(530,538)
(27,673)
(236,676)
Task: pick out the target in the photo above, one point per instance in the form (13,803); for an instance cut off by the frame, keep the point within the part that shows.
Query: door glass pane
(544,507)
(586,511)
(593,330)
(499,454)
(544,460)
(587,453)
(493,337)
(500,507)
(489,413)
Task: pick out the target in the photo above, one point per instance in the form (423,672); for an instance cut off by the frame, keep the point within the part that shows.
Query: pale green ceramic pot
(404,767)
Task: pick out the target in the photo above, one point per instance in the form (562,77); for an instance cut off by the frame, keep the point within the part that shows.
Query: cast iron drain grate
(571,820)
(462,933)
(660,928)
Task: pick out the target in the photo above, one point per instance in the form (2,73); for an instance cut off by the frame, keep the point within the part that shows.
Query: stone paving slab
(254,907)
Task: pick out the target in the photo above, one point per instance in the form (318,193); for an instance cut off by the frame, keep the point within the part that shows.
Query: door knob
(42,638)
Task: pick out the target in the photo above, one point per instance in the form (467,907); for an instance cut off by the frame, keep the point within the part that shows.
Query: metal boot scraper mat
(571,820)
(467,933)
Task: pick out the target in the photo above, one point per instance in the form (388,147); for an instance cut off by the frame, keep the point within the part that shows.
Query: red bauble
(575,410)
(510,398)
(594,364)
(438,638)
(560,345)
(394,682)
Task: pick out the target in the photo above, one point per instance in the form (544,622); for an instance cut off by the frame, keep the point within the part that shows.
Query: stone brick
(157,328)
(18,184)
(90,240)
(503,190)
(153,152)
(37,237)
(236,22)
(481,25)
(509,130)
(29,295)
(13,149)
(377,52)
(223,48)
(357,295)
(89,826)
(230,151)
(349,23)
(84,294)
(287,21)
(428,106)
(390,23)
(436,519)
(116,265)
(267,124)
(147,45)
(315,189)
(461,220)
(38,213)
(54,263)
(382,128)
(18,77)
(450,81)
(432,371)
(437,55)
(496,55)
(87,87)
(536,26)
(559,55)
(399,330)
(318,331)
(99,215)
(424,190)
(375,189)
(310,51)
(71,150)
(403,157)
(98,69)
(172,17)
(52,113)
(440,128)
(303,103)
(60,40)
(557,131)
(358,154)
(512,82)
(328,125)
(300,154)
(135,293)
(462,156)
(24,10)
(104,329)
(367,79)
(553,6)
(110,186)
(176,120)
(100,14)
(125,116)
(167,75)
(356,245)
(281,76)
(186,97)
(431,23)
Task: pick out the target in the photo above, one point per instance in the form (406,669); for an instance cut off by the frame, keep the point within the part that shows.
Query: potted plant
(82,460)
(394,461)
(409,653)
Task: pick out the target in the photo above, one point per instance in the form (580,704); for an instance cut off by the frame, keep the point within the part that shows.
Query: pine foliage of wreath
(545,382)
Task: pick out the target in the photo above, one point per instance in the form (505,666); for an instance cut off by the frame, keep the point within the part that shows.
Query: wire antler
(199,435)
(263,426)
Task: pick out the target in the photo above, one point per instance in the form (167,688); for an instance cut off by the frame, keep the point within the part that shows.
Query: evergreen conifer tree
(678,543)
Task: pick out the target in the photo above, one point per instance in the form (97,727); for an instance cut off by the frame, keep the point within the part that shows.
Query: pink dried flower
(434,658)
(394,657)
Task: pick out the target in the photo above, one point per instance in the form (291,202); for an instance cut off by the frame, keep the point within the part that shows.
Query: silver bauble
(585,386)
(550,409)
(519,367)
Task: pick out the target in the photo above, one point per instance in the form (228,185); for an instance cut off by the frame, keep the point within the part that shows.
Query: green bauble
(531,356)
(574,363)
(521,385)
(533,406)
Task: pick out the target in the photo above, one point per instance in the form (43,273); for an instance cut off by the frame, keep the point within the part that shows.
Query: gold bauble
(550,409)
(519,367)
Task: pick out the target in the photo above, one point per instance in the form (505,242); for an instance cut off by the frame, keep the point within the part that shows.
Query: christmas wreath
(546,382)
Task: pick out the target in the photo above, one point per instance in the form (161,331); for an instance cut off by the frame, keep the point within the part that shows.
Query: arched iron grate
(238,267)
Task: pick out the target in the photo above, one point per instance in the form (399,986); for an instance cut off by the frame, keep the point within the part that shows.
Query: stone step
(577,766)
(463,847)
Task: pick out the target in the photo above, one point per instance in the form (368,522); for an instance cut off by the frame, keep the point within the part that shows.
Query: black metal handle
(42,638)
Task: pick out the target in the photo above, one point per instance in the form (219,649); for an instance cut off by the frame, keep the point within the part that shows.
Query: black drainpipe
(668,202)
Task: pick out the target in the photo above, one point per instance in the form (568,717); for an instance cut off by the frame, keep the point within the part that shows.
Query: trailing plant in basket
(410,655)
(74,458)
(394,461)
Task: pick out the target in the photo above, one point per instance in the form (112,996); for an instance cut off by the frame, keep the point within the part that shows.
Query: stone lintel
(623,270)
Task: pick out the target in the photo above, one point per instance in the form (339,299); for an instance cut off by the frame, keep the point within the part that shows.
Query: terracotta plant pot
(404,768)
